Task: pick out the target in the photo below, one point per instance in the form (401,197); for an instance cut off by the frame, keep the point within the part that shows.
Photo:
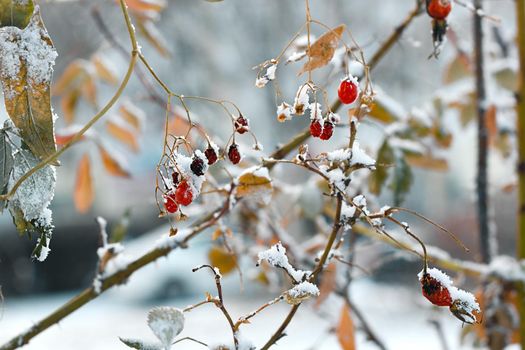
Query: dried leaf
(153,35)
(457,69)
(72,76)
(122,133)
(112,163)
(104,70)
(15,13)
(328,283)
(88,88)
(345,329)
(146,5)
(132,114)
(141,345)
(426,162)
(323,49)
(225,261)
(84,192)
(255,183)
(68,103)
(26,76)
(491,123)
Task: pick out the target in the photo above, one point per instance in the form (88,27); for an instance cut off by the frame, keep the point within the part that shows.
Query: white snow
(166,323)
(276,256)
(315,111)
(284,112)
(302,99)
(359,157)
(267,77)
(301,292)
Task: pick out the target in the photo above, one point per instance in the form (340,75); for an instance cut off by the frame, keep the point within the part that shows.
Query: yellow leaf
(225,261)
(345,329)
(146,5)
(123,134)
(323,49)
(457,69)
(88,88)
(26,84)
(112,164)
(256,183)
(385,109)
(426,162)
(84,193)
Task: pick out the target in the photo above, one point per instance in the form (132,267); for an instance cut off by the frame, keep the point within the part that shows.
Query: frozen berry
(435,291)
(184,194)
(233,154)
(169,202)
(328,130)
(211,155)
(439,9)
(242,125)
(197,166)
(348,91)
(316,128)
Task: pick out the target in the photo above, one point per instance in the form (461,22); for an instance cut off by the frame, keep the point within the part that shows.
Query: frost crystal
(266,78)
(315,111)
(284,112)
(359,157)
(302,100)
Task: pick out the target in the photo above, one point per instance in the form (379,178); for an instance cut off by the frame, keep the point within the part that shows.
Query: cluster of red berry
(347,92)
(183,192)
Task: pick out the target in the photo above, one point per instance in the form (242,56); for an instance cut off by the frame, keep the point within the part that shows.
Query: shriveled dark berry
(175,176)
(211,155)
(242,125)
(197,166)
(233,153)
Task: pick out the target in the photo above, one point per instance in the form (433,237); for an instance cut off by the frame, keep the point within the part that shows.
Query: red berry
(233,153)
(439,9)
(316,128)
(435,291)
(211,155)
(348,91)
(197,166)
(183,193)
(169,202)
(328,130)
(242,125)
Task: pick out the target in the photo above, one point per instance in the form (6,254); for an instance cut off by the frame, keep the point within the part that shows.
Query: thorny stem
(520,119)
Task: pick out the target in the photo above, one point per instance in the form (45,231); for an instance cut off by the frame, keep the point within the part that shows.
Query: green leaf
(377,179)
(401,180)
(15,12)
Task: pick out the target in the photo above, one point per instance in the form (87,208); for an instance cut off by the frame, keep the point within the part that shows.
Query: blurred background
(212,49)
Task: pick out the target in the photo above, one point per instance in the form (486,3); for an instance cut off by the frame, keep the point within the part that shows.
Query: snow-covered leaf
(457,69)
(323,49)
(154,36)
(27,58)
(15,13)
(141,345)
(166,323)
(123,133)
(84,193)
(301,292)
(255,183)
(104,69)
(426,161)
(132,114)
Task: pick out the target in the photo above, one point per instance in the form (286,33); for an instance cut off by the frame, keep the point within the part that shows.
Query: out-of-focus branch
(520,118)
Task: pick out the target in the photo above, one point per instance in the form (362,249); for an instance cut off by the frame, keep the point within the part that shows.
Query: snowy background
(214,47)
